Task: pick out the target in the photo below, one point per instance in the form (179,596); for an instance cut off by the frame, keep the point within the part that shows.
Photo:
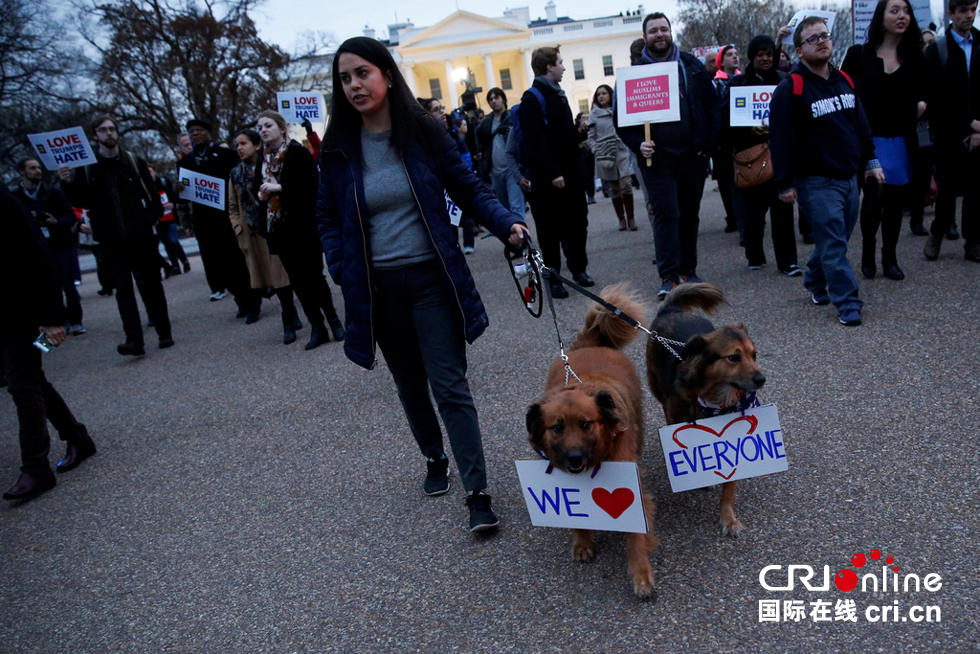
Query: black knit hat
(758,43)
(198,122)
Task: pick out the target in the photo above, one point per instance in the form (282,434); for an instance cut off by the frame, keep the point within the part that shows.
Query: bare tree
(720,22)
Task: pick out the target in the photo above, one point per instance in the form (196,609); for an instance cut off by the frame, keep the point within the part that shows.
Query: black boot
(290,322)
(868,268)
(318,335)
(337,327)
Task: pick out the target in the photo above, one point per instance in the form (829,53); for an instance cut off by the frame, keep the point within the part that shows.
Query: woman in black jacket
(286,183)
(889,75)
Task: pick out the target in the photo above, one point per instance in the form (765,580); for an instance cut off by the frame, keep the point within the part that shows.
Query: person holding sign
(286,185)
(385,168)
(751,203)
(820,141)
(678,152)
(123,206)
(889,75)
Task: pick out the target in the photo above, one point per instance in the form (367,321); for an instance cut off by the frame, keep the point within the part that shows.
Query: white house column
(528,73)
(488,65)
(451,85)
(408,70)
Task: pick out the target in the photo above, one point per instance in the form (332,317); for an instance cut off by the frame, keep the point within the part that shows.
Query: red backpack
(798,81)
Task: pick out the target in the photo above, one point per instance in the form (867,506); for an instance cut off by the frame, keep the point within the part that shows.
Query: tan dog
(716,376)
(598,419)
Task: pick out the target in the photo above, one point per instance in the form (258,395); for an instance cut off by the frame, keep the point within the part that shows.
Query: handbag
(753,166)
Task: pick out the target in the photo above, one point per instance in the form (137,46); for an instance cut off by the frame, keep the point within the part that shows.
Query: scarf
(242,176)
(271,171)
(550,83)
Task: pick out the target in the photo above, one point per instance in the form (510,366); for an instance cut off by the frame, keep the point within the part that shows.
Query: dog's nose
(759,380)
(575,460)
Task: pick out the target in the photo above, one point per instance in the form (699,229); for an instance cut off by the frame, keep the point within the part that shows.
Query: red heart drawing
(614,503)
(752,420)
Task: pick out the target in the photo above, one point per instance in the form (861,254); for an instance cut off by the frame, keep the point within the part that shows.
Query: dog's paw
(643,584)
(731,528)
(583,552)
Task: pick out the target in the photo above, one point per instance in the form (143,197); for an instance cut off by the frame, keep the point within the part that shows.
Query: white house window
(607,66)
(579,68)
(435,88)
(505,83)
(583,106)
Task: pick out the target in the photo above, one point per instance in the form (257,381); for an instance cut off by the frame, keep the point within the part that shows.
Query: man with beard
(118,192)
(679,152)
(820,141)
(224,265)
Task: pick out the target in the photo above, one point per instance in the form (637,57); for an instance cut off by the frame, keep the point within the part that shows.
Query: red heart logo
(752,420)
(614,503)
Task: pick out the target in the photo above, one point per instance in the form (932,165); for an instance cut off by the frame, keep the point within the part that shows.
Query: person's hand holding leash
(517,233)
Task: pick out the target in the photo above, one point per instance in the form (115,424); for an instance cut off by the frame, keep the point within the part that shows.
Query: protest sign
(702,51)
(647,94)
(455,213)
(803,13)
(606,498)
(63,147)
(297,107)
(203,189)
(724,448)
(750,105)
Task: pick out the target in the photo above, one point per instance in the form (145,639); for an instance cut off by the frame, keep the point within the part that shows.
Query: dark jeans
(420,331)
(882,206)
(958,169)
(35,398)
(831,205)
(73,302)
(136,259)
(751,205)
(561,221)
(171,243)
(303,262)
(674,189)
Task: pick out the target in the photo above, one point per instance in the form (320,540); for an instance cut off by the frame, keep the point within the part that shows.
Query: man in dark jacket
(122,205)
(35,300)
(561,215)
(56,217)
(679,152)
(820,141)
(224,263)
(954,110)
(491,136)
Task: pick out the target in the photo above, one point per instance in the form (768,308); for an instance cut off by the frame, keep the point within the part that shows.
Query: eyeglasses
(435,109)
(105,130)
(817,38)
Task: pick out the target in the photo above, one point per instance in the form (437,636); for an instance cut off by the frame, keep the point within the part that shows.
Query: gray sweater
(396,230)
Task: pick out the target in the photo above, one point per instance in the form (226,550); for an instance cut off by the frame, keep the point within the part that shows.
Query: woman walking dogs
(385,166)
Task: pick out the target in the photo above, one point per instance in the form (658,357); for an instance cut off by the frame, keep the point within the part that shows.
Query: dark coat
(553,150)
(341,208)
(736,139)
(35,299)
(952,94)
(140,205)
(299,181)
(484,140)
(52,200)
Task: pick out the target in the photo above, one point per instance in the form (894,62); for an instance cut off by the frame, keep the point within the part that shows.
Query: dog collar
(710,410)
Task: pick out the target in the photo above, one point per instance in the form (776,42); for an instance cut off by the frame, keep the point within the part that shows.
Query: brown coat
(264,268)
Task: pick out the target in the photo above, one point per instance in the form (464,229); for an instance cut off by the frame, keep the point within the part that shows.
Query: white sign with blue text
(202,189)
(455,213)
(64,147)
(607,498)
(749,105)
(297,107)
(724,448)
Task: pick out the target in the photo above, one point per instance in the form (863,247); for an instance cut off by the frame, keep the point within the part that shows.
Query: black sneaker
(666,287)
(482,516)
(820,297)
(792,271)
(437,479)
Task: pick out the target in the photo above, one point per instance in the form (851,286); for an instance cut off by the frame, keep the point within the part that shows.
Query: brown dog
(718,373)
(599,418)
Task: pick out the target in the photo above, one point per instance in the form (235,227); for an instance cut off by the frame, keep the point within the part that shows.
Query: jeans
(136,258)
(171,243)
(509,193)
(750,206)
(674,189)
(420,331)
(36,399)
(832,207)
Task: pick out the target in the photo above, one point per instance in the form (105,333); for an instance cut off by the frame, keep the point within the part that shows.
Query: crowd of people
(372,200)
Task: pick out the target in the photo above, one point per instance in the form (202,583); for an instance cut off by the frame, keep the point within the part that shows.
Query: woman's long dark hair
(410,123)
(910,47)
(595,96)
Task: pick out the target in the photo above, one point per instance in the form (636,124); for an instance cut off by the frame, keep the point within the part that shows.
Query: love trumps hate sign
(749,105)
(64,147)
(607,498)
(724,448)
(203,189)
(647,94)
(297,107)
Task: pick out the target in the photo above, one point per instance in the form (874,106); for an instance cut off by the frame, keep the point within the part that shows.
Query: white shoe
(468,249)
(217,296)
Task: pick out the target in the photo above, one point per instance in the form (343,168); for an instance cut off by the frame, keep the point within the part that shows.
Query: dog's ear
(694,346)
(607,408)
(535,423)
(692,361)
(740,326)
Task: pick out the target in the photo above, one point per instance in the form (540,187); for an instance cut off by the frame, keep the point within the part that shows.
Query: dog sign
(648,94)
(749,106)
(202,189)
(724,448)
(607,498)
(297,107)
(64,147)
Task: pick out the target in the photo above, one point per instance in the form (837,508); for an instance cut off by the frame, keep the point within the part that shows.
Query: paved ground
(253,497)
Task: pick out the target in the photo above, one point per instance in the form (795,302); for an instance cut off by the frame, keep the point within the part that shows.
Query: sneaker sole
(442,491)
(484,527)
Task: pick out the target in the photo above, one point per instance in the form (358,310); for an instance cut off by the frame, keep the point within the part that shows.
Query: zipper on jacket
(459,304)
(367,263)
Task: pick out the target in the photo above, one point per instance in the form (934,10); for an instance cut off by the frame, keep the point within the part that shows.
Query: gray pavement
(253,497)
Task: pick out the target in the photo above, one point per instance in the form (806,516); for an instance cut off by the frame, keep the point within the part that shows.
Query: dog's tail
(605,329)
(685,297)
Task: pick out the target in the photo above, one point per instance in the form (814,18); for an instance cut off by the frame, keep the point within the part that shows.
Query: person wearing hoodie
(820,141)
(612,158)
(726,65)
(679,152)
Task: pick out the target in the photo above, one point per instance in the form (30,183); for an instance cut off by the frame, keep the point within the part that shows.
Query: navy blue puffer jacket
(341,213)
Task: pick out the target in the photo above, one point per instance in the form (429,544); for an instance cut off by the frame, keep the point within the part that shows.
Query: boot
(318,335)
(933,243)
(868,268)
(290,324)
(336,327)
(628,205)
(618,206)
